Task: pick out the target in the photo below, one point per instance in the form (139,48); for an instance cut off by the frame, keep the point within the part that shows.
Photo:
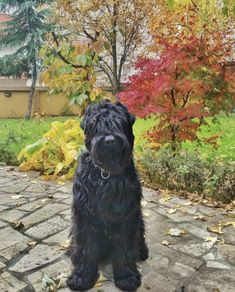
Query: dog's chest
(114,199)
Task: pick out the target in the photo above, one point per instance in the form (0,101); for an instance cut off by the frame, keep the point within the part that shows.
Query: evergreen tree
(26,31)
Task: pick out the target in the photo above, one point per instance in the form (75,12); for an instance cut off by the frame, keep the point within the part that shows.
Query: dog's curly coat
(107,217)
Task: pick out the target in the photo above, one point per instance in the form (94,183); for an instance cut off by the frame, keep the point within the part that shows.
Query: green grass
(17,133)
(224,128)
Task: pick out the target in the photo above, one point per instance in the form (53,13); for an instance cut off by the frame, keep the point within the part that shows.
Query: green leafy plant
(185,171)
(55,154)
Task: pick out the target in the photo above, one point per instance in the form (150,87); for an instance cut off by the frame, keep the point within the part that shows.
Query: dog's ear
(85,118)
(130,116)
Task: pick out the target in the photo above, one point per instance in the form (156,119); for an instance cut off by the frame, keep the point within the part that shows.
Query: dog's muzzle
(110,153)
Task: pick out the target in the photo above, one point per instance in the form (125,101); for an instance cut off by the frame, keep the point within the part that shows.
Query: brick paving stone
(195,249)
(229,234)
(43,214)
(32,205)
(2,224)
(216,265)
(188,264)
(196,231)
(11,215)
(2,208)
(9,283)
(15,187)
(60,238)
(38,256)
(218,281)
(182,270)
(36,187)
(2,265)
(227,252)
(13,242)
(155,282)
(60,269)
(47,228)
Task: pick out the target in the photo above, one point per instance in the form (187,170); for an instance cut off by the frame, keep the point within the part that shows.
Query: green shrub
(185,171)
(7,156)
(220,182)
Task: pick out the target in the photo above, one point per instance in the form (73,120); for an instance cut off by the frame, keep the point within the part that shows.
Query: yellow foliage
(77,83)
(54,155)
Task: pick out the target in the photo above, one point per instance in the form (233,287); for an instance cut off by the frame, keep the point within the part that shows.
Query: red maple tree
(183,85)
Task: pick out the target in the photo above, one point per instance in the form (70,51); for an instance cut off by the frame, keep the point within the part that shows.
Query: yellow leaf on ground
(176,232)
(200,217)
(216,229)
(165,242)
(65,245)
(229,223)
(101,279)
(17,225)
(211,238)
(171,211)
(32,243)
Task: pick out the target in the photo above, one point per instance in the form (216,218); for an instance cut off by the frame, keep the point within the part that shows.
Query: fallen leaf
(211,238)
(229,223)
(166,198)
(176,232)
(101,279)
(16,197)
(49,284)
(17,225)
(200,217)
(65,245)
(187,203)
(165,242)
(143,204)
(32,243)
(171,211)
(216,229)
(44,200)
(61,278)
(146,214)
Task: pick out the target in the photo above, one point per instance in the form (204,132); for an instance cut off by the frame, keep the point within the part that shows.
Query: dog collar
(103,174)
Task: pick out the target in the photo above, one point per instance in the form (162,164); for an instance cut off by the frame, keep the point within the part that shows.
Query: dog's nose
(109,139)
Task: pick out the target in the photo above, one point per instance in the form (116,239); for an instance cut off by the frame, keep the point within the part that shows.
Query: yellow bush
(55,155)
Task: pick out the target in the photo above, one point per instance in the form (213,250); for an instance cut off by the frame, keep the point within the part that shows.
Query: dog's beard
(112,159)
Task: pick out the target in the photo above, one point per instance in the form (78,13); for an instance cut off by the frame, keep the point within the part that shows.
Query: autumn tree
(116,28)
(26,30)
(71,72)
(193,77)
(183,85)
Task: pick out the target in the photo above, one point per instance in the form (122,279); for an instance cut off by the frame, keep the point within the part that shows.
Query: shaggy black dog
(107,218)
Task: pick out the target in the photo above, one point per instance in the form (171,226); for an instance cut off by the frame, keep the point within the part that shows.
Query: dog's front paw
(77,282)
(144,253)
(129,282)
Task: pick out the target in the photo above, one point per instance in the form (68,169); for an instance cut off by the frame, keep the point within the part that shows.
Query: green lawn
(18,133)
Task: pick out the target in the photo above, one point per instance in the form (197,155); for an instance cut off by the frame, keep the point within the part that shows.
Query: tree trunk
(32,89)
(117,85)
(173,138)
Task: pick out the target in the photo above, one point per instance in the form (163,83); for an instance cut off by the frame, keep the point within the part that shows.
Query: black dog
(107,218)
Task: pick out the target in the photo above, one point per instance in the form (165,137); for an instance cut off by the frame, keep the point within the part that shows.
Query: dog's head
(108,135)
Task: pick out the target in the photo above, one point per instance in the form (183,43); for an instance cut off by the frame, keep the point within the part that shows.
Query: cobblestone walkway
(34,223)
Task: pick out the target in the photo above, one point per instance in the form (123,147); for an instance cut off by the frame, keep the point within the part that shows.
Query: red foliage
(185,82)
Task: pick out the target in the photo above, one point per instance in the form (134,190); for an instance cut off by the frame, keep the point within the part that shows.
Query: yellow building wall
(15,106)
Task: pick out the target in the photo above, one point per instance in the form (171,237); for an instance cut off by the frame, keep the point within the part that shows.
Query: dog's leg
(143,251)
(126,275)
(84,256)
